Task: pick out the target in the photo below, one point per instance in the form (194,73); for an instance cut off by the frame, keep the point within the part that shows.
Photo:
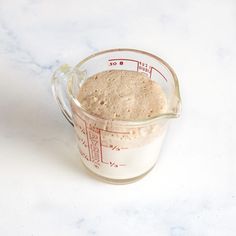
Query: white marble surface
(44,190)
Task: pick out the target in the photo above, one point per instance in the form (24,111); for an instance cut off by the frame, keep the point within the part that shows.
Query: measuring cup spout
(176,108)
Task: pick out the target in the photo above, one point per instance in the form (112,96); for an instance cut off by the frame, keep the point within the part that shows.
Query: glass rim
(130,122)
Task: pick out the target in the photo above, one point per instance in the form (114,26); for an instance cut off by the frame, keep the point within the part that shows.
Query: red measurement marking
(86,135)
(151,72)
(115,63)
(94,145)
(100,142)
(112,64)
(124,59)
(110,146)
(115,132)
(88,140)
(81,129)
(83,142)
(115,148)
(113,164)
(140,63)
(159,73)
(83,154)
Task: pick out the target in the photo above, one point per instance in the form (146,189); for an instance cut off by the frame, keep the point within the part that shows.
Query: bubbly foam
(122,95)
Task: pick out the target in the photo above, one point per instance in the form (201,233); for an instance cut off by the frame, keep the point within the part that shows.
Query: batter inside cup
(111,150)
(122,95)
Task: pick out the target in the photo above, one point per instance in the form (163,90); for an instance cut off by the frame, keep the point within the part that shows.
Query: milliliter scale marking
(141,66)
(93,143)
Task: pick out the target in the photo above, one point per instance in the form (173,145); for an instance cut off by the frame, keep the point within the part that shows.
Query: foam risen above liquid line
(122,95)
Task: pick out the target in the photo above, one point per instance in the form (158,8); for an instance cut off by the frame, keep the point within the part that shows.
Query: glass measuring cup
(118,151)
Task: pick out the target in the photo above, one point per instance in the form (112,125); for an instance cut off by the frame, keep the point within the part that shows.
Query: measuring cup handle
(59,88)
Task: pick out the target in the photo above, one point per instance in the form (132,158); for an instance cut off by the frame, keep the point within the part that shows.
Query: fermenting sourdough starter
(115,151)
(122,95)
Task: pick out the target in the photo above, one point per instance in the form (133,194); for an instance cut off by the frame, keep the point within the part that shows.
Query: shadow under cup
(118,151)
